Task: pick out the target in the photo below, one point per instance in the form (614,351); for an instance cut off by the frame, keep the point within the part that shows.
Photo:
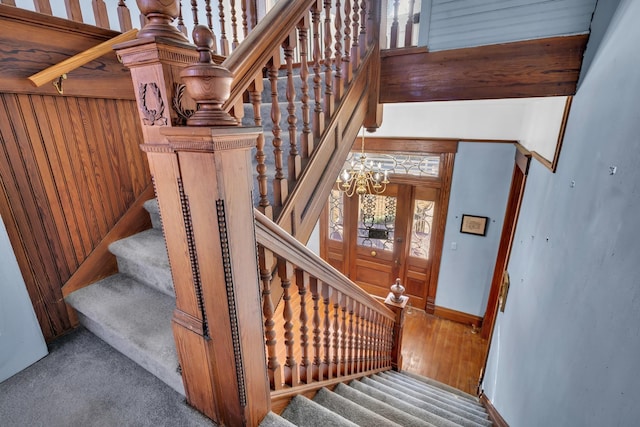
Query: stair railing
(339,332)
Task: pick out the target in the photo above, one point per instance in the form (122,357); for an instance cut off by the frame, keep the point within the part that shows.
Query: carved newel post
(206,188)
(160,14)
(397,302)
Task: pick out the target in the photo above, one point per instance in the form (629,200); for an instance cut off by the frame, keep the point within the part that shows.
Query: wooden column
(398,308)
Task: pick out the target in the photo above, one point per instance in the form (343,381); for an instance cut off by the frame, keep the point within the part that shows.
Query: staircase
(386,399)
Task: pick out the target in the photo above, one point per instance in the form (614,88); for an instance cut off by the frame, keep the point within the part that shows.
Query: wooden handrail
(250,57)
(80,59)
(276,239)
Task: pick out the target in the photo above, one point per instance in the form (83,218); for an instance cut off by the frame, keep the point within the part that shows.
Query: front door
(376,238)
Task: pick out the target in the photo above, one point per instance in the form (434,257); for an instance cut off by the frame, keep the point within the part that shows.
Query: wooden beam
(531,68)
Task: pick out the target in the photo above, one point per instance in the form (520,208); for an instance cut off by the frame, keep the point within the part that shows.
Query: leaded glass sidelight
(336,216)
(421,228)
(376,221)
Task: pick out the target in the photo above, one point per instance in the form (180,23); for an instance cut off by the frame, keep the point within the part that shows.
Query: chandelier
(363,177)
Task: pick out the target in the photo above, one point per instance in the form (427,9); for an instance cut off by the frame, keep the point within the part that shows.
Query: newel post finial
(160,14)
(208,84)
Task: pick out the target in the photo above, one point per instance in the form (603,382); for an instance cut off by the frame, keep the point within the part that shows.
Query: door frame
(446,148)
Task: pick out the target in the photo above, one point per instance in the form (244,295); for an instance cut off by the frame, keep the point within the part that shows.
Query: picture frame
(473,224)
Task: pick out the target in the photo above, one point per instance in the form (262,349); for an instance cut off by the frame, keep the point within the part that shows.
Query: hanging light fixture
(363,177)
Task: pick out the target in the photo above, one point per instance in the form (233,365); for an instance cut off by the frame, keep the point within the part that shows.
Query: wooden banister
(277,240)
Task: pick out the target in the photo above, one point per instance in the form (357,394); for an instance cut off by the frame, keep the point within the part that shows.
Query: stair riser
(155,277)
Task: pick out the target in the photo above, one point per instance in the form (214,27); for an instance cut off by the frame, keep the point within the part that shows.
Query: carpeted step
(386,410)
(143,257)
(154,212)
(448,403)
(274,420)
(349,410)
(448,420)
(437,384)
(134,319)
(435,392)
(452,415)
(304,412)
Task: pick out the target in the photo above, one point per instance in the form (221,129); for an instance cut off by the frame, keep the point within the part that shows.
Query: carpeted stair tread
(436,393)
(443,402)
(154,212)
(381,408)
(455,416)
(304,412)
(402,405)
(134,319)
(143,257)
(275,420)
(437,384)
(349,410)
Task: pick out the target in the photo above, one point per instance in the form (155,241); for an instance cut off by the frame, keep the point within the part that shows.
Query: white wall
(566,350)
(21,340)
(480,186)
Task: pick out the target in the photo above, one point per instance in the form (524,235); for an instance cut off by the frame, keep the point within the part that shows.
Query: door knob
(374,253)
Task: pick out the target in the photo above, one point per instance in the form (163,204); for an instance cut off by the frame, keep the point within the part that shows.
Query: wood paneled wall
(70,167)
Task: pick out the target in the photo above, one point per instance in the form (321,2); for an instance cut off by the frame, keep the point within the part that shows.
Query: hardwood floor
(443,350)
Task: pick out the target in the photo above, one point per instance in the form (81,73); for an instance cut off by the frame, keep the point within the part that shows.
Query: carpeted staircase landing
(385,399)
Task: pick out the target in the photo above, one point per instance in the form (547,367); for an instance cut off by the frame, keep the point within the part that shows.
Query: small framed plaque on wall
(472,224)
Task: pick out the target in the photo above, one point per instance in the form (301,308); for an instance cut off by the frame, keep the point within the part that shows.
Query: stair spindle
(355,46)
(318,112)
(294,166)
(395,28)
(224,42)
(350,339)
(328,72)
(306,140)
(335,361)
(302,281)
(357,340)
(100,13)
(42,6)
(368,340)
(342,369)
(285,271)
(317,339)
(255,97)
(279,182)
(363,29)
(408,31)
(347,71)
(265,260)
(74,12)
(234,25)
(337,55)
(326,361)
(245,24)
(209,16)
(194,12)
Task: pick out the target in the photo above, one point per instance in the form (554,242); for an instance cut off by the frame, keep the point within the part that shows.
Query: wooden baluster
(337,87)
(209,16)
(181,26)
(306,141)
(318,113)
(326,361)
(280,188)
(328,73)
(8,2)
(395,28)
(342,369)
(408,31)
(374,339)
(245,24)
(250,10)
(364,45)
(42,6)
(355,47)
(368,339)
(335,361)
(350,340)
(194,12)
(379,342)
(265,260)
(100,13)
(74,12)
(358,339)
(302,281)
(347,72)
(255,97)
(224,43)
(124,16)
(285,271)
(317,339)
(294,165)
(370,24)
(234,25)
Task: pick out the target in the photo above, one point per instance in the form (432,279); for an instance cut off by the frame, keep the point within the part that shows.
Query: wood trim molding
(458,316)
(552,165)
(541,67)
(101,263)
(494,415)
(408,145)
